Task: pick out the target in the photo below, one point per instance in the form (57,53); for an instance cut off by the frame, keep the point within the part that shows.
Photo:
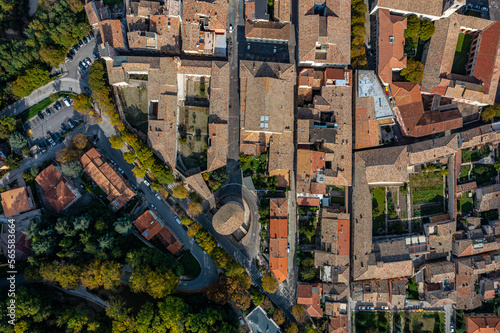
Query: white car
(361,308)
(153,206)
(385,308)
(177,220)
(146,182)
(230,28)
(157,196)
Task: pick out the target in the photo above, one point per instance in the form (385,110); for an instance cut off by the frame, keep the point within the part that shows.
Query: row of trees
(172,314)
(418,29)
(358,33)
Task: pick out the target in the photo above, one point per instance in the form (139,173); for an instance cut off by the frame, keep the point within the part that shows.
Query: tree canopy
(491,112)
(17,140)
(414,71)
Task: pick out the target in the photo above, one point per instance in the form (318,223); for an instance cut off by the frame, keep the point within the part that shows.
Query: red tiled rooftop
(311,202)
(278,228)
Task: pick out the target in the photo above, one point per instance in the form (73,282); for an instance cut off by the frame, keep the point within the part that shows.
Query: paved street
(70,82)
(208,271)
(53,124)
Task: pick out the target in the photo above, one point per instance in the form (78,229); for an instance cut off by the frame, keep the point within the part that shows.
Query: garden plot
(427,189)
(135,106)
(194,134)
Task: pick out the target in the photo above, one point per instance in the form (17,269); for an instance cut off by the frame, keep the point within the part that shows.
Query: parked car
(134,187)
(95,56)
(70,124)
(80,43)
(85,66)
(153,206)
(484,9)
(146,183)
(47,111)
(177,219)
(57,105)
(82,186)
(88,61)
(112,162)
(91,34)
(385,308)
(40,115)
(69,56)
(120,170)
(82,68)
(76,47)
(157,196)
(85,40)
(361,308)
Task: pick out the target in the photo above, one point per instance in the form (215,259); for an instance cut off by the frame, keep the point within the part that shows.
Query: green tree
(80,141)
(299,313)
(72,169)
(117,309)
(124,225)
(292,328)
(180,192)
(17,140)
(491,112)
(32,79)
(414,71)
(412,26)
(52,55)
(106,241)
(173,311)
(129,157)
(269,283)
(279,316)
(83,104)
(7,126)
(34,171)
(186,221)
(144,318)
(195,208)
(139,172)
(426,30)
(117,141)
(358,30)
(257,296)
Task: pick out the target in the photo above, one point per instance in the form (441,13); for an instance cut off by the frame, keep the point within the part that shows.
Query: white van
(66,102)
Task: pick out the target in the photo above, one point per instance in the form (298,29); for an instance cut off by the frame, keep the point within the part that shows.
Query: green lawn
(378,208)
(338,200)
(426,187)
(472,13)
(372,321)
(462,52)
(464,173)
(465,204)
(192,268)
(424,322)
(490,215)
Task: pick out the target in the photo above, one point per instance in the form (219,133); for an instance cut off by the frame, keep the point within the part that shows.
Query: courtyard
(462,53)
(135,106)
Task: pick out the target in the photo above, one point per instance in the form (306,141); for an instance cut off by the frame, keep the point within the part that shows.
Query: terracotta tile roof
(219,91)
(281,157)
(386,165)
(466,187)
(482,84)
(308,77)
(440,271)
(258,30)
(93,10)
(279,268)
(390,44)
(229,218)
(317,188)
(336,292)
(488,197)
(22,245)
(282,9)
(168,239)
(429,8)
(338,324)
(56,191)
(119,193)
(278,207)
(277,248)
(305,201)
(111,33)
(367,127)
(147,225)
(331,29)
(278,228)
(217,149)
(330,258)
(482,324)
(310,295)
(144,8)
(16,201)
(387,270)
(431,150)
(411,115)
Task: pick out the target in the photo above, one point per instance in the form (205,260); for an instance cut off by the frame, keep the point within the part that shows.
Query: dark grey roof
(261,10)
(327,134)
(260,323)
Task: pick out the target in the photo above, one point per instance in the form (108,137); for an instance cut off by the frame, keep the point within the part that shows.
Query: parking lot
(486,9)
(55,124)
